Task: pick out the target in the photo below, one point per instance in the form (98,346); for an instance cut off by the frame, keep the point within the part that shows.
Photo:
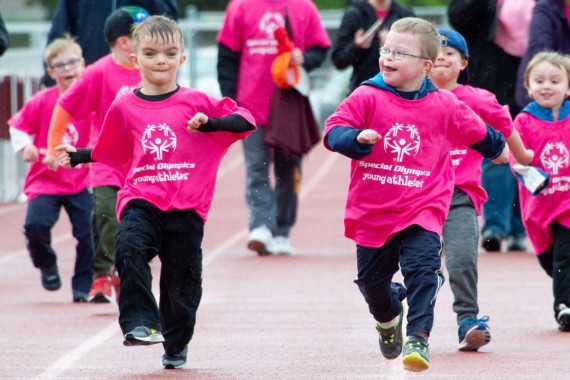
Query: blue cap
(456,40)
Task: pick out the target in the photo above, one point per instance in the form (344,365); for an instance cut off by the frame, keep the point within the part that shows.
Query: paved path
(297,317)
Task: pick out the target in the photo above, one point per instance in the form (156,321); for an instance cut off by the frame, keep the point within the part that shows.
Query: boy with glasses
(48,191)
(398,129)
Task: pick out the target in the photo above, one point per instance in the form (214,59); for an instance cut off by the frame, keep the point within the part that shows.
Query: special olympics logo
(158,139)
(71,135)
(271,21)
(402,140)
(554,156)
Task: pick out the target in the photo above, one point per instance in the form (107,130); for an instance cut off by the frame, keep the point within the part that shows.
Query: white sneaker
(261,240)
(282,245)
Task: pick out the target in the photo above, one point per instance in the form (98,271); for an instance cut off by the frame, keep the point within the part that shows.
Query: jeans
(417,251)
(274,208)
(501,212)
(41,216)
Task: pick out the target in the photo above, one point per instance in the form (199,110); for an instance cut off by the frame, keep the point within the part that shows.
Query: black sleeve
(231,123)
(82,156)
(228,69)
(4,37)
(474,19)
(492,144)
(344,51)
(314,57)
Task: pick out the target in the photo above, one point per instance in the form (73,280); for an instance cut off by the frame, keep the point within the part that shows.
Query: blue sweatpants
(417,251)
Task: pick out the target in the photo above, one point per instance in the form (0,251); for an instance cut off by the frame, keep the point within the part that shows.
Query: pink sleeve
(230,34)
(28,118)
(496,115)
(316,34)
(350,113)
(114,146)
(466,127)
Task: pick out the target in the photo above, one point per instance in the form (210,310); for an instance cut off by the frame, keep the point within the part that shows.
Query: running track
(297,317)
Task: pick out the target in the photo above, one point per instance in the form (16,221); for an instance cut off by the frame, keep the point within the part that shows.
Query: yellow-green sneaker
(390,338)
(143,336)
(416,354)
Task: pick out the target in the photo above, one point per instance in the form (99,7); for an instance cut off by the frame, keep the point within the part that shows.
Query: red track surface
(297,317)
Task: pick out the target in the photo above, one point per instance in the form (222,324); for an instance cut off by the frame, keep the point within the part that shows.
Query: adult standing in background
(4,37)
(85,20)
(497,34)
(549,31)
(354,47)
(247,49)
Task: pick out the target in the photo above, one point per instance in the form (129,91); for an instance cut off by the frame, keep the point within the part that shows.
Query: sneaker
(474,333)
(261,240)
(79,296)
(102,290)
(172,361)
(282,246)
(390,338)
(563,318)
(491,241)
(516,244)
(116,282)
(50,278)
(416,354)
(143,336)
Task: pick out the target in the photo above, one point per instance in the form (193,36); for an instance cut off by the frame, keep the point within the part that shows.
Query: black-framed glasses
(397,54)
(60,67)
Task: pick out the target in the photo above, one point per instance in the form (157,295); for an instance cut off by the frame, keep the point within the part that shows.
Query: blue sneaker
(474,333)
(172,361)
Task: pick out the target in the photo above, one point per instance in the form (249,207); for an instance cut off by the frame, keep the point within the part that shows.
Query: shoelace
(417,345)
(466,325)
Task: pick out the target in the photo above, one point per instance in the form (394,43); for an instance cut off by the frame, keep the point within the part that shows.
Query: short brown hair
(65,43)
(157,26)
(554,58)
(425,31)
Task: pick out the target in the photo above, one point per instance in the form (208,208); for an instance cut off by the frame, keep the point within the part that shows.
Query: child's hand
(30,153)
(368,136)
(198,120)
(63,155)
(504,157)
(526,157)
(51,162)
(361,41)
(297,58)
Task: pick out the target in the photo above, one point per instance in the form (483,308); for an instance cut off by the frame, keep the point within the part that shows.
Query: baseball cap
(456,40)
(120,22)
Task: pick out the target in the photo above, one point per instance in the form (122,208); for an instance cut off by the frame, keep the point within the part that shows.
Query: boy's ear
(464,64)
(428,65)
(133,59)
(50,73)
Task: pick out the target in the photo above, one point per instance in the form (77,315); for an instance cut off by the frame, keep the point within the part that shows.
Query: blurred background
(28,22)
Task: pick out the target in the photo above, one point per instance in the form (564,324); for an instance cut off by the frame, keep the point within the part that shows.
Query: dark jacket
(490,67)
(4,37)
(85,19)
(548,31)
(361,15)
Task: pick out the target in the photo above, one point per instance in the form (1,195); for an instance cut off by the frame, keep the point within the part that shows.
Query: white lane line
(73,356)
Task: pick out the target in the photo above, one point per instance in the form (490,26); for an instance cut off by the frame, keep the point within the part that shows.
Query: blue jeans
(274,208)
(417,251)
(501,212)
(42,214)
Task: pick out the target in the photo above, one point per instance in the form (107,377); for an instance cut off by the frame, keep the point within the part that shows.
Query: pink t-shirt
(99,85)
(171,168)
(408,178)
(466,161)
(551,143)
(248,28)
(34,119)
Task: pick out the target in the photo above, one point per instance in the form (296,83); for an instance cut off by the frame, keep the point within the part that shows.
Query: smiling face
(548,85)
(406,74)
(65,68)
(446,69)
(158,58)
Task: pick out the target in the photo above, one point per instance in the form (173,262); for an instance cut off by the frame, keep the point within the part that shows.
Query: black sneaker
(473,334)
(390,338)
(143,336)
(563,318)
(416,354)
(491,241)
(50,278)
(79,296)
(172,361)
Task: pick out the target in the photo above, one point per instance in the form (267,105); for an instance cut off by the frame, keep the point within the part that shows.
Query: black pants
(176,237)
(418,252)
(556,263)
